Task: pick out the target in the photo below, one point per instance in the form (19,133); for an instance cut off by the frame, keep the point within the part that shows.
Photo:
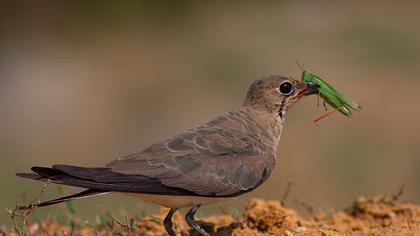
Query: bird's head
(276,93)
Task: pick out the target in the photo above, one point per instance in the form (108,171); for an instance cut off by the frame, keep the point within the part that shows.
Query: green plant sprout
(330,95)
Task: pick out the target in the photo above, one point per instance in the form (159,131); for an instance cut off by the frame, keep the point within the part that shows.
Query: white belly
(175,201)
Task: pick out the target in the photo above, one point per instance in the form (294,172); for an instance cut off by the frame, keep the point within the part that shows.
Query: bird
(228,156)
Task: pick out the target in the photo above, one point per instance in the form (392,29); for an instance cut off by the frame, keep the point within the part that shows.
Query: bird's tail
(44,174)
(97,181)
(83,194)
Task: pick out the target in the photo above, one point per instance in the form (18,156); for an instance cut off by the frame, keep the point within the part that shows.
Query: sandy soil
(378,215)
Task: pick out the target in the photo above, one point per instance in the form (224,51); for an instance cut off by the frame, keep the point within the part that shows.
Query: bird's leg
(167,222)
(189,217)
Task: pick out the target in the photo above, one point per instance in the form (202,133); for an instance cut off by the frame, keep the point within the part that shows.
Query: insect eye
(286,88)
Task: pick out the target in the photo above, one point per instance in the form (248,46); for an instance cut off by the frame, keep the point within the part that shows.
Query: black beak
(310,88)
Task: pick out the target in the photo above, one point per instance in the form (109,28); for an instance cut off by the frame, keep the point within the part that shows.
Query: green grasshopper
(341,103)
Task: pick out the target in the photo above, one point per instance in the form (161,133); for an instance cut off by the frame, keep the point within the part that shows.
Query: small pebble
(287,233)
(300,229)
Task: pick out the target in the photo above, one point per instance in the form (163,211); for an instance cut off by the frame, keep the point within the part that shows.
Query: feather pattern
(231,154)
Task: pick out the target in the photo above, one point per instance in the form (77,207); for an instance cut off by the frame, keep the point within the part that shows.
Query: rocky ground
(377,215)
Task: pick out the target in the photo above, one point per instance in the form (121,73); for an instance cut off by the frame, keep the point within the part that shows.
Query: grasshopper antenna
(300,65)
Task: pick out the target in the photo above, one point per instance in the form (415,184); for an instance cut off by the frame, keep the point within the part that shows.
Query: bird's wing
(215,159)
(101,180)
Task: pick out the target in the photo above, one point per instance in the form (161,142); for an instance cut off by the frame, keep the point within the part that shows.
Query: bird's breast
(175,201)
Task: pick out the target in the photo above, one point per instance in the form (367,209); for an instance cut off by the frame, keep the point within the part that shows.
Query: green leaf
(71,208)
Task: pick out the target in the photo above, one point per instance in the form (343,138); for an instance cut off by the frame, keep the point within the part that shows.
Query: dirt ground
(377,215)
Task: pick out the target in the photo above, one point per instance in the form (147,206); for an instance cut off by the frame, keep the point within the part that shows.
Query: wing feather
(220,158)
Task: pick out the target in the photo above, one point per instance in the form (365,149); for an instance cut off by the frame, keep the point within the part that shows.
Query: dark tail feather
(84,194)
(102,180)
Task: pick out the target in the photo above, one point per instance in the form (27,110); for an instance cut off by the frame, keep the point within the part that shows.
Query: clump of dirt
(268,218)
(377,215)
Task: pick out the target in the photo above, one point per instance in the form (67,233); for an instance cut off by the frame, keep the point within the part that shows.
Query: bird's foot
(189,217)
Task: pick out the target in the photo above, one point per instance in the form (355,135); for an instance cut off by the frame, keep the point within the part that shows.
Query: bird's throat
(282,109)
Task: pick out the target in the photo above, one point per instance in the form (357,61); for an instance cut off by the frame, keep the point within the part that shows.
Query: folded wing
(215,159)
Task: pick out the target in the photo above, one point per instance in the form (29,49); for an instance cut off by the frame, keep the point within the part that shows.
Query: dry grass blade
(22,212)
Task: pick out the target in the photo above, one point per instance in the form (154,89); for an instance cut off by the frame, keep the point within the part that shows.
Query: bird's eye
(286,88)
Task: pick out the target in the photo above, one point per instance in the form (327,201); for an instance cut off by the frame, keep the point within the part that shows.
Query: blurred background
(84,82)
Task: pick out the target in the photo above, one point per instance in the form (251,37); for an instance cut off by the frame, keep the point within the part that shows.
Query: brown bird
(228,156)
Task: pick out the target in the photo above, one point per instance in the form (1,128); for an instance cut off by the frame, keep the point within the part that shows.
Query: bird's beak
(308,89)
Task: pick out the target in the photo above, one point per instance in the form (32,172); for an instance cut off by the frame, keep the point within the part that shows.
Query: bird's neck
(267,126)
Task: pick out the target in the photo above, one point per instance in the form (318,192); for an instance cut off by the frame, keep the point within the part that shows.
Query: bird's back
(229,155)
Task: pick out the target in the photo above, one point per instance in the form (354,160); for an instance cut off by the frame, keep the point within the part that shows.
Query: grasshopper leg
(316,121)
(325,105)
(317,100)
